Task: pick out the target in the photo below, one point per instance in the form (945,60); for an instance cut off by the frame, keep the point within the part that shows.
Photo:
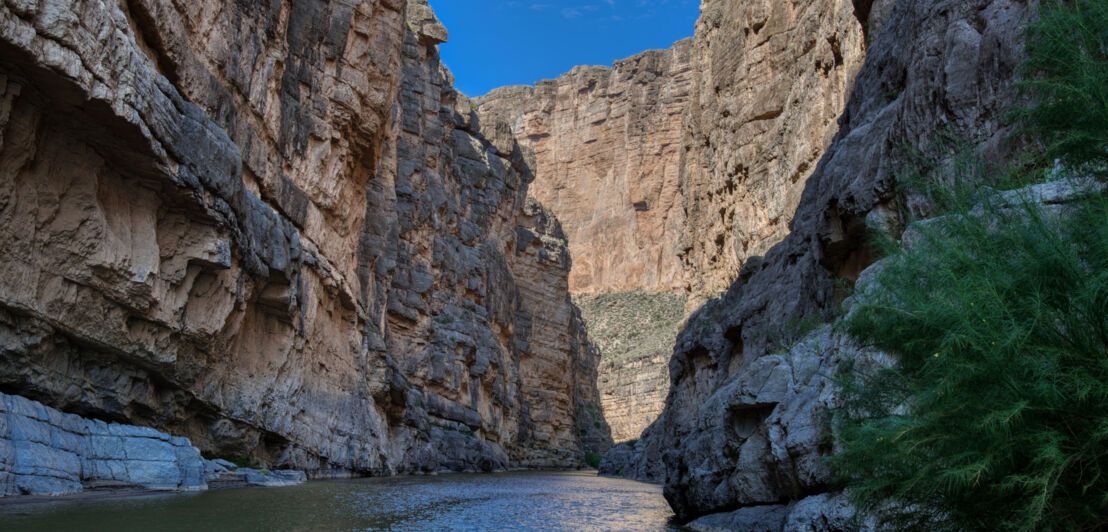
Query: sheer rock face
(606,149)
(771,79)
(633,392)
(278,231)
(942,67)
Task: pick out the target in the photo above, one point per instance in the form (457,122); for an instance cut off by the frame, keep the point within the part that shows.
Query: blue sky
(518,42)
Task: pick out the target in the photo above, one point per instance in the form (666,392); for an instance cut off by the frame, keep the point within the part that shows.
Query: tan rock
(633,392)
(771,79)
(277,230)
(606,149)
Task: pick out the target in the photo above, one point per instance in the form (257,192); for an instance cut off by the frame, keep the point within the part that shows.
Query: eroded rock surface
(46,452)
(771,80)
(278,231)
(606,144)
(942,67)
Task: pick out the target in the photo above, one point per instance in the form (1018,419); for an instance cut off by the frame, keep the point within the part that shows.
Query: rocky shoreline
(45,452)
(47,456)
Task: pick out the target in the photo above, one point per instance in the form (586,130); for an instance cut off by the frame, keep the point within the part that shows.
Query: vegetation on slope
(628,325)
(1067,83)
(996,415)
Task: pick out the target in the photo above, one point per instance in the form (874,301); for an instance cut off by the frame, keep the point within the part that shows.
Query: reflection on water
(508,501)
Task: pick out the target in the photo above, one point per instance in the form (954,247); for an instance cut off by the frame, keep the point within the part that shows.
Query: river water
(505,501)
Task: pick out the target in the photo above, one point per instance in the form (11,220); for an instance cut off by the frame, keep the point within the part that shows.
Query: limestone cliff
(606,146)
(771,79)
(743,430)
(277,230)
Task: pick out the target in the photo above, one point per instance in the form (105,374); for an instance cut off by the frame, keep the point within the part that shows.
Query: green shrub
(1066,82)
(593,460)
(996,416)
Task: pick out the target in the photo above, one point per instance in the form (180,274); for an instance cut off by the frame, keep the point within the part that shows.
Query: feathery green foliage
(995,416)
(593,460)
(1066,83)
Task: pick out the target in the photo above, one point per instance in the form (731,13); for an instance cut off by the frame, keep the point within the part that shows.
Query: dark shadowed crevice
(862,9)
(734,335)
(847,250)
(150,41)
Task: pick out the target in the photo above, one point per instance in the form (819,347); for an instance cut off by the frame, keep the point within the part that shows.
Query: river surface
(505,501)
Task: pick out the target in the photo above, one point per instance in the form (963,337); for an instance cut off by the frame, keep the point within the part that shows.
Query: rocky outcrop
(46,452)
(825,512)
(942,67)
(759,441)
(606,144)
(221,473)
(278,231)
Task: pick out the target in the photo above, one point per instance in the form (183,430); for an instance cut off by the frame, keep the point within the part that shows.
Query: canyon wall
(606,144)
(771,80)
(277,230)
(744,431)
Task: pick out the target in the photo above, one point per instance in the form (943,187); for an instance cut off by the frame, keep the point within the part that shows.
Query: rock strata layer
(278,231)
(46,452)
(606,146)
(743,433)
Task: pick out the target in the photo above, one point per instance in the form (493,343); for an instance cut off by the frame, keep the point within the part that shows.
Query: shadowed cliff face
(771,80)
(744,429)
(277,230)
(606,149)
